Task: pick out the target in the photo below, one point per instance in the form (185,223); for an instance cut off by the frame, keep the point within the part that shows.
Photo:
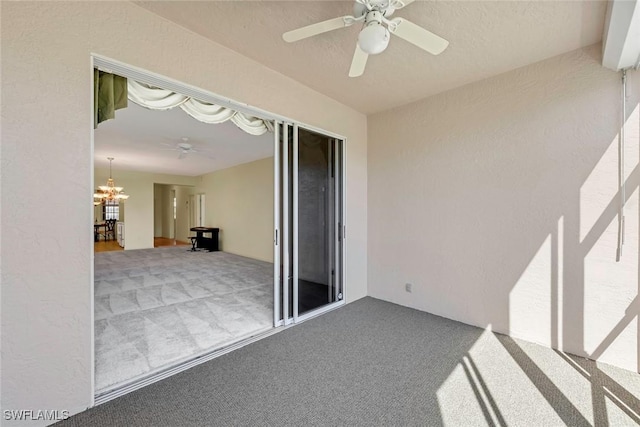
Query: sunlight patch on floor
(497,390)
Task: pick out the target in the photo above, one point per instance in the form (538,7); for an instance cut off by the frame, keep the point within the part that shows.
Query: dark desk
(96,230)
(208,243)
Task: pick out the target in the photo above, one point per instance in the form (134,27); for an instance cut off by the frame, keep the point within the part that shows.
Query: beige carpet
(157,307)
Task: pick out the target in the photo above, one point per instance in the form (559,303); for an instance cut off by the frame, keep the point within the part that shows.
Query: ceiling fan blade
(203,153)
(319,28)
(399,4)
(418,36)
(358,62)
(182,155)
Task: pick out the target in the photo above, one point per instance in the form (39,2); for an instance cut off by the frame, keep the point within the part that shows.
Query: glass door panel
(310,221)
(316,223)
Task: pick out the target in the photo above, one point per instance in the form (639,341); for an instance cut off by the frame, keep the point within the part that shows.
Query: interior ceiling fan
(185,148)
(377,27)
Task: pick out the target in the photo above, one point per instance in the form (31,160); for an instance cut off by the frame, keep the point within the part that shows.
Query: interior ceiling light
(109,192)
(374,38)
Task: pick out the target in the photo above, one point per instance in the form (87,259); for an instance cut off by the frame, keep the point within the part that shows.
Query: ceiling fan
(185,148)
(374,36)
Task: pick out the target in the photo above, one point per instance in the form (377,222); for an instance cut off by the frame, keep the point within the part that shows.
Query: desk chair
(194,242)
(110,229)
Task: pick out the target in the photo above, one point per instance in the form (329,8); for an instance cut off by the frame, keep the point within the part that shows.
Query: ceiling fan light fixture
(374,38)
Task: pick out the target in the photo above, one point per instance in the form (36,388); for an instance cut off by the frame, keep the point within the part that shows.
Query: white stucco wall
(497,201)
(46,128)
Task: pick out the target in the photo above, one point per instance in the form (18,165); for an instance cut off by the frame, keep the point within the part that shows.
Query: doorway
(197,210)
(307,248)
(172,228)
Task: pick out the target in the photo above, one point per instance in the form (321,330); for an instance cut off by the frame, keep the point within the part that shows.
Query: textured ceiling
(486,38)
(146,140)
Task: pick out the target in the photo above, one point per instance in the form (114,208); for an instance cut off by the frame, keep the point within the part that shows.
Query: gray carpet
(157,307)
(373,363)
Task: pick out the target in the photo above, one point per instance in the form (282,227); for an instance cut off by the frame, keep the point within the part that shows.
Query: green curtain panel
(110,94)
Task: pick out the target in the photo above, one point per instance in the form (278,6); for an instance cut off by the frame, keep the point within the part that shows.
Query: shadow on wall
(576,257)
(511,201)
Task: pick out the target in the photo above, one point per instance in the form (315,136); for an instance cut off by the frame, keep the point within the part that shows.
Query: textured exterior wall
(497,201)
(46,127)
(239,201)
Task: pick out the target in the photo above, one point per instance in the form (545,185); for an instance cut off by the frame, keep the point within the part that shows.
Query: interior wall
(141,212)
(47,308)
(498,202)
(239,201)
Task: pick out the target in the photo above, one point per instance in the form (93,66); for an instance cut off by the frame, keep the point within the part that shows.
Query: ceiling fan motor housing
(374,37)
(383,6)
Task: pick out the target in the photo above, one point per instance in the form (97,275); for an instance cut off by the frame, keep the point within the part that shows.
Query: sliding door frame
(276,224)
(286,232)
(296,225)
(281,236)
(339,213)
(338,242)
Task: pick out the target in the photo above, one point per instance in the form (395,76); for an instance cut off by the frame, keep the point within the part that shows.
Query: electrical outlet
(407,287)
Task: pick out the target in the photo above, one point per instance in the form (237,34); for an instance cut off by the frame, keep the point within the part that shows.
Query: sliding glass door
(311,221)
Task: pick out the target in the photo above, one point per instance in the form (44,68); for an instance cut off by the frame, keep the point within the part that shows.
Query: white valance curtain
(155,98)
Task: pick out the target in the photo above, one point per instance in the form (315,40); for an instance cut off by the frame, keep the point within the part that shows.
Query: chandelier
(109,194)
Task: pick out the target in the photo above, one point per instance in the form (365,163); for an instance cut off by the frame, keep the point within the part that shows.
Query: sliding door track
(135,384)
(150,378)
